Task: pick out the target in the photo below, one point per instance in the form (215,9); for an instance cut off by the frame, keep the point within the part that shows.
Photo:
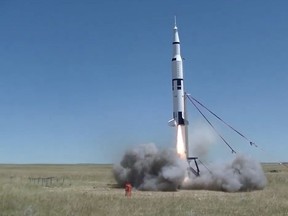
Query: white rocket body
(179,112)
(179,119)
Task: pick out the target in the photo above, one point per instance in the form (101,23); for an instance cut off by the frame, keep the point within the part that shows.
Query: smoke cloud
(242,174)
(201,139)
(148,168)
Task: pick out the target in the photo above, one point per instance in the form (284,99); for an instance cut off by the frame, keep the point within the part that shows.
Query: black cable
(233,151)
(205,166)
(242,135)
(250,142)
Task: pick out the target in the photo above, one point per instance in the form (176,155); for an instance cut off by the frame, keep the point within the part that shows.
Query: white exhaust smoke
(201,138)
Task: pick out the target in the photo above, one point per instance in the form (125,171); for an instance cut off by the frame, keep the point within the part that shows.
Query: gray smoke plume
(242,174)
(148,168)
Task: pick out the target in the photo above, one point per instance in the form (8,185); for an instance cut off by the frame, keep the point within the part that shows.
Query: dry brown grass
(88,190)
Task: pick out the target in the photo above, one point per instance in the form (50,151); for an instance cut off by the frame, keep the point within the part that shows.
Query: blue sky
(81,81)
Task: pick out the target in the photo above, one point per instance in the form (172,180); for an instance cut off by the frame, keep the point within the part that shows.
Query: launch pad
(196,170)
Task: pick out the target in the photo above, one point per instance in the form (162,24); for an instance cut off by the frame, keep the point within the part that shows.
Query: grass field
(89,190)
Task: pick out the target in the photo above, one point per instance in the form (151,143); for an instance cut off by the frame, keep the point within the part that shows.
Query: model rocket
(179,115)
(179,119)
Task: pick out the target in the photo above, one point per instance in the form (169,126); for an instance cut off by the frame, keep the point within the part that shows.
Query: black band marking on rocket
(180,119)
(173,59)
(176,42)
(178,84)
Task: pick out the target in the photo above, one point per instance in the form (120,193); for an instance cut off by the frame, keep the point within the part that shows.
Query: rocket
(179,112)
(179,119)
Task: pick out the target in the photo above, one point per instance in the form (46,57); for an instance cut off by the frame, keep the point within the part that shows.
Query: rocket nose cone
(176,36)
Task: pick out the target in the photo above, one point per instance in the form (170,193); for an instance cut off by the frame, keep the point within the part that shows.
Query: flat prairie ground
(60,190)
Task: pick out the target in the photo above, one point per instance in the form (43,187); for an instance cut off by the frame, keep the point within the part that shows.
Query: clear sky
(81,81)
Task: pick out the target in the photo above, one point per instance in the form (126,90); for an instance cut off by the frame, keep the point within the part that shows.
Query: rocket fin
(172,123)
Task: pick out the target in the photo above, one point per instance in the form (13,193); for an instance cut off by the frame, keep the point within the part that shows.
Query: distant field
(60,190)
